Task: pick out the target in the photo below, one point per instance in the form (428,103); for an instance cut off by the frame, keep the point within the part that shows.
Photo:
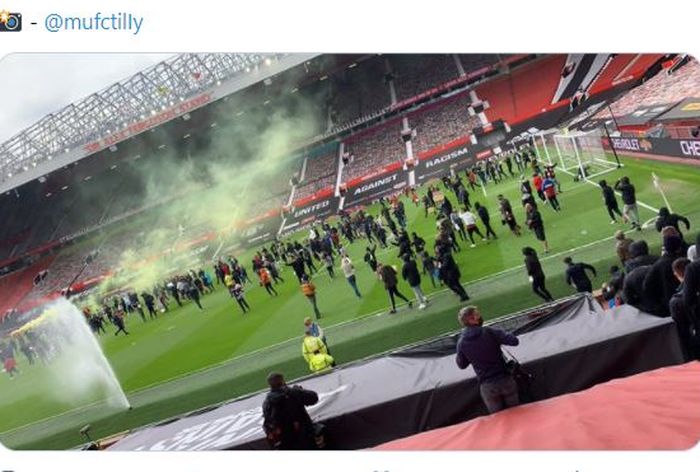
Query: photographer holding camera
(287,424)
(481,347)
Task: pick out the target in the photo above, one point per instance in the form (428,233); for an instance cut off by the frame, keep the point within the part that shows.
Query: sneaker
(392,312)
(613,222)
(473,245)
(421,306)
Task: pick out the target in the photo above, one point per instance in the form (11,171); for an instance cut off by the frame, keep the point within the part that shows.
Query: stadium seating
(663,88)
(442,123)
(359,92)
(415,73)
(15,287)
(524,93)
(374,149)
(321,172)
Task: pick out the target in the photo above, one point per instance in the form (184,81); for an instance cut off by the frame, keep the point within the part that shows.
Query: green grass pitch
(187,359)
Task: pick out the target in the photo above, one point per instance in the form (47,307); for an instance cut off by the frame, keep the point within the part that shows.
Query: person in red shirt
(537,183)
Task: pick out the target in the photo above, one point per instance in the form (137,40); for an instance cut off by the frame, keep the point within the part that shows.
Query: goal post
(544,145)
(582,154)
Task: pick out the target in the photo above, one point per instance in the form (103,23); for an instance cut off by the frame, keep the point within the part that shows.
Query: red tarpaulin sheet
(655,410)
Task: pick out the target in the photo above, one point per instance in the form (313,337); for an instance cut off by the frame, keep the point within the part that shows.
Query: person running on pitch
(409,272)
(535,223)
(576,275)
(610,201)
(485,219)
(470,222)
(387,274)
(238,294)
(630,212)
(349,271)
(309,291)
(536,274)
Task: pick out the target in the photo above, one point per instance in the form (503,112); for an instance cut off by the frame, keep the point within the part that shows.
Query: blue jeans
(499,394)
(353,283)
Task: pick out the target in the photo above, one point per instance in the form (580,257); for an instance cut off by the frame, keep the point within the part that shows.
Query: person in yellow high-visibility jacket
(311,344)
(228,281)
(320,362)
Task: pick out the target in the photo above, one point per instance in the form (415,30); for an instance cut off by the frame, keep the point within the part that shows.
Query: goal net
(577,153)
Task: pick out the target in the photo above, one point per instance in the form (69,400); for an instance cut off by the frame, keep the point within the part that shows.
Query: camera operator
(287,424)
(481,347)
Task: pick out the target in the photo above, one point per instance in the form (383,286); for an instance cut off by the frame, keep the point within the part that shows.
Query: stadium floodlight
(581,154)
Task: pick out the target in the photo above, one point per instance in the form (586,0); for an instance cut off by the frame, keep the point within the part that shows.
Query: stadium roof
(145,100)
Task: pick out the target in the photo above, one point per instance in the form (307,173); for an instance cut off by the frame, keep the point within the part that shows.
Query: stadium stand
(15,287)
(609,76)
(359,92)
(472,62)
(663,88)
(374,149)
(524,93)
(416,73)
(442,122)
(321,172)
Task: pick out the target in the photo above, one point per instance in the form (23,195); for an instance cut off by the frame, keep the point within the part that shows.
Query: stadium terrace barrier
(569,345)
(662,147)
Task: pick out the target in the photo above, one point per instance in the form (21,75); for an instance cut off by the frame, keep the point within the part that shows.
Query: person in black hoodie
(685,321)
(485,219)
(691,293)
(660,284)
(576,275)
(409,272)
(286,422)
(666,218)
(450,275)
(639,256)
(537,277)
(610,201)
(630,212)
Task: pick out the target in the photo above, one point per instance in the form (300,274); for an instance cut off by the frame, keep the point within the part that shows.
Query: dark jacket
(660,284)
(481,347)
(628,193)
(671,219)
(691,291)
(609,196)
(389,276)
(633,289)
(639,256)
(483,214)
(286,423)
(576,274)
(449,271)
(533,266)
(410,273)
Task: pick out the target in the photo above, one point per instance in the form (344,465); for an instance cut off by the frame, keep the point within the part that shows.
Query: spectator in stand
(388,275)
(481,347)
(691,297)
(536,274)
(639,256)
(610,201)
(694,250)
(622,246)
(349,271)
(666,218)
(630,212)
(410,274)
(660,284)
(286,423)
(576,275)
(685,322)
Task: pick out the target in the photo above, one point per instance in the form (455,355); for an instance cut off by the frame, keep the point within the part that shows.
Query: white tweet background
(360,26)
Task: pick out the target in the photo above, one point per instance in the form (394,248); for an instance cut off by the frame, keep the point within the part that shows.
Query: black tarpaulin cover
(569,346)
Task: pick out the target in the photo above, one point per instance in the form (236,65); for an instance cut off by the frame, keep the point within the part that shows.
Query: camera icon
(10,22)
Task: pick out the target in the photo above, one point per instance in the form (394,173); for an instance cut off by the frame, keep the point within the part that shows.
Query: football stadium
(190,250)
